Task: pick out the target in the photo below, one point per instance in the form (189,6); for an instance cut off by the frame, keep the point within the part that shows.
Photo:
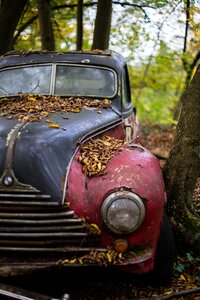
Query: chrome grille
(31,222)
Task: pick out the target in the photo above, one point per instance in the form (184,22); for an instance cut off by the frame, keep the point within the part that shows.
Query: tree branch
(95,3)
(195,291)
(23,27)
(195,60)
(79,31)
(58,7)
(186,25)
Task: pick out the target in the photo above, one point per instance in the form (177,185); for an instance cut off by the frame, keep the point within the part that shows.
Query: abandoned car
(76,186)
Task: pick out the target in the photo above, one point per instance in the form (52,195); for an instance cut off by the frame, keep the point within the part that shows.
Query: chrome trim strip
(37,215)
(56,249)
(29,196)
(43,222)
(82,140)
(21,203)
(42,235)
(38,229)
(16,186)
(53,79)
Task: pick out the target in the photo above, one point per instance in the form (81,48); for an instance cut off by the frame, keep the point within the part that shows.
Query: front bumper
(26,263)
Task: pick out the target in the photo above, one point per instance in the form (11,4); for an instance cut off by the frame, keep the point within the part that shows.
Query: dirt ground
(159,140)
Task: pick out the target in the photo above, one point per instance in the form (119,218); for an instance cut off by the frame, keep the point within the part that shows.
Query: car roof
(105,58)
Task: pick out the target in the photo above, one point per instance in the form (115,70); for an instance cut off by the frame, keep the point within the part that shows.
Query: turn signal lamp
(120,246)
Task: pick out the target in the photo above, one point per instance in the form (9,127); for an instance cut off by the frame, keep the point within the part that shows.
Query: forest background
(160,40)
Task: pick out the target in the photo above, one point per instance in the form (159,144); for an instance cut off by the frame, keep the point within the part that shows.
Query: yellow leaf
(96,228)
(48,121)
(182,277)
(76,110)
(32,98)
(65,261)
(106,101)
(167,293)
(73,261)
(109,257)
(44,113)
(53,125)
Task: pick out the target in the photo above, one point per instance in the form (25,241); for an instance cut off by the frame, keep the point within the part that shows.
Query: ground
(159,139)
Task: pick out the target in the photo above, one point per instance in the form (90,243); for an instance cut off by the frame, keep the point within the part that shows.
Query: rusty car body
(76,186)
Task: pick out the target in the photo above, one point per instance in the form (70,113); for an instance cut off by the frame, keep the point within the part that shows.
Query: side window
(126,95)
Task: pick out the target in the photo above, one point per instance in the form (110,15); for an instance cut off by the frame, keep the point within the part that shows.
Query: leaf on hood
(53,125)
(96,154)
(33,107)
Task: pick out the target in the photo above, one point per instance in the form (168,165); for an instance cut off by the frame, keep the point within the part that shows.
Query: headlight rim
(116,195)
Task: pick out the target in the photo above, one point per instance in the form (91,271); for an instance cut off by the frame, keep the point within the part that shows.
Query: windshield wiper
(1,88)
(37,85)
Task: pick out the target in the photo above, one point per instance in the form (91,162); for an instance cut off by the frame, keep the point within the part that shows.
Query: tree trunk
(46,29)
(182,168)
(102,25)
(10,13)
(79,36)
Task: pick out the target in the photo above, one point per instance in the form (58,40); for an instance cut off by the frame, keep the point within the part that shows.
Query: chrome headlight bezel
(135,212)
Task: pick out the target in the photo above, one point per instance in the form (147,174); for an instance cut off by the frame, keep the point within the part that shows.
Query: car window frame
(127,106)
(53,78)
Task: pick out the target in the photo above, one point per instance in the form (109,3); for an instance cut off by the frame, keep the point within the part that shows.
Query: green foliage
(156,86)
(188,263)
(179,268)
(157,80)
(64,25)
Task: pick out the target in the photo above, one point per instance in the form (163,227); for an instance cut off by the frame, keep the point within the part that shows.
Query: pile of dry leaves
(96,154)
(30,107)
(105,258)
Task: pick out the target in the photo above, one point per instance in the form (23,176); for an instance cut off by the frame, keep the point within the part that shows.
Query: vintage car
(76,186)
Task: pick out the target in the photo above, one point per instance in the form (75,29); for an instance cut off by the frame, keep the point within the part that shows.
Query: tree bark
(102,25)
(79,36)
(182,168)
(10,13)
(46,29)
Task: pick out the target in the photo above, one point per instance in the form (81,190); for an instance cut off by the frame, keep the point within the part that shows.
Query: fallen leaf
(53,125)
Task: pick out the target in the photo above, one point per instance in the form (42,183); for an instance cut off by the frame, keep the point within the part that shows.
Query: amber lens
(121,246)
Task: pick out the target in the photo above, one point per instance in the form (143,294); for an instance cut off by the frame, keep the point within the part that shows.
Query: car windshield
(25,80)
(63,80)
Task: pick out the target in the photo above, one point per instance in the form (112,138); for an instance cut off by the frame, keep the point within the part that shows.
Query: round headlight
(123,212)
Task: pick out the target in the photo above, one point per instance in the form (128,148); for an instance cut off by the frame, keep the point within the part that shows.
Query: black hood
(42,154)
